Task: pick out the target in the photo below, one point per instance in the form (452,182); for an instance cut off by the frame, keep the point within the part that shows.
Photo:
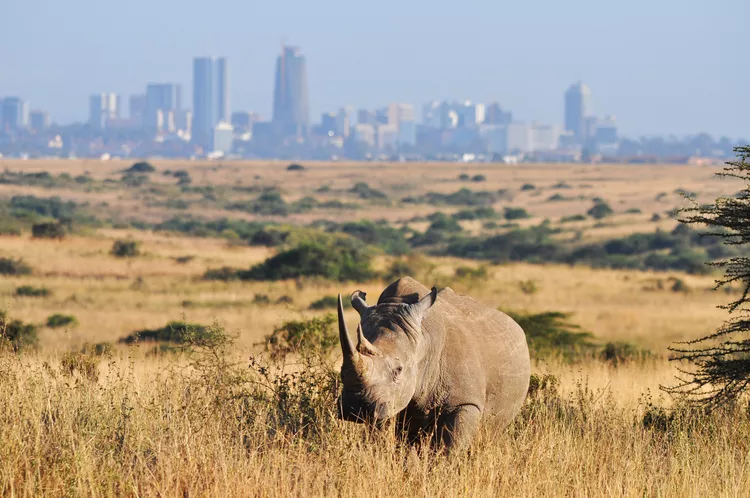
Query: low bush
(125,249)
(527,186)
(317,335)
(552,334)
(326,302)
(59,320)
(295,167)
(334,258)
(600,210)
(31,291)
(10,266)
(174,332)
(364,191)
(618,353)
(16,334)
(140,167)
(48,231)
(513,213)
(478,178)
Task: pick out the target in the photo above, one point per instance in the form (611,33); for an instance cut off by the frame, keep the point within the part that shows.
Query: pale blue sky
(661,66)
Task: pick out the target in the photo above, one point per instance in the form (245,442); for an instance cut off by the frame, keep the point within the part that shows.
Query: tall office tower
(161,100)
(137,109)
(403,117)
(39,120)
(576,109)
(344,121)
(210,98)
(495,114)
(14,114)
(102,108)
(290,100)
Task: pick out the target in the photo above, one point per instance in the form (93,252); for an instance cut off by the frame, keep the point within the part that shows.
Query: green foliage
(528,186)
(314,336)
(51,207)
(48,230)
(31,291)
(379,234)
(471,274)
(443,223)
(600,210)
(59,320)
(125,248)
(9,266)
(720,373)
(618,353)
(575,217)
(16,334)
(174,332)
(141,167)
(479,213)
(334,258)
(513,213)
(327,302)
(478,178)
(364,191)
(462,197)
(295,167)
(551,334)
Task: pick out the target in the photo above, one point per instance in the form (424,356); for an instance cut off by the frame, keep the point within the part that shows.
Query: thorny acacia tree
(721,360)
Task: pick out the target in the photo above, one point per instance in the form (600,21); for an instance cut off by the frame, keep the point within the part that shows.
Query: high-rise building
(404,118)
(39,120)
(290,99)
(137,109)
(544,137)
(576,109)
(14,114)
(102,108)
(242,121)
(344,121)
(162,99)
(210,98)
(494,114)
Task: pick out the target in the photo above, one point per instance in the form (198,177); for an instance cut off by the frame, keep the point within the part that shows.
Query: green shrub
(31,291)
(511,213)
(173,332)
(478,178)
(336,258)
(364,191)
(618,353)
(59,320)
(317,335)
(141,167)
(527,186)
(600,210)
(261,300)
(51,207)
(469,273)
(575,217)
(479,213)
(633,211)
(16,334)
(295,167)
(551,334)
(9,266)
(464,177)
(379,234)
(125,248)
(327,302)
(48,231)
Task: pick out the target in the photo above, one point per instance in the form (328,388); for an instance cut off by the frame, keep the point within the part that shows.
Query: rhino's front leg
(457,428)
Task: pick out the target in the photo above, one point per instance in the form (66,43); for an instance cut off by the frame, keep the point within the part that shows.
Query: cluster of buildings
(160,122)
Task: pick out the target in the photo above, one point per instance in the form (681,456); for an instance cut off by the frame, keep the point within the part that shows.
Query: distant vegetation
(59,320)
(16,334)
(31,291)
(10,266)
(125,248)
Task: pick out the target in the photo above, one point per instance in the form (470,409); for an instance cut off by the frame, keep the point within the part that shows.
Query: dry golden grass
(148,427)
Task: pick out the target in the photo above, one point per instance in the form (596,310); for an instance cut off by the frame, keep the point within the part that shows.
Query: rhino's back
(485,358)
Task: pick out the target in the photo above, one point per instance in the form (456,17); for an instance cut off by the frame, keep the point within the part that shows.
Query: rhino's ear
(419,309)
(358,301)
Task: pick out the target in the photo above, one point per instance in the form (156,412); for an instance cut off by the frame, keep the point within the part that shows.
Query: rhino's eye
(398,369)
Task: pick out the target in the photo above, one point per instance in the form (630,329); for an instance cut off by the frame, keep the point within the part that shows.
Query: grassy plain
(146,427)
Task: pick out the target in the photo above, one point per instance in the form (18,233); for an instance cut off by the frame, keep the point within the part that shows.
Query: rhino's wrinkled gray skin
(439,361)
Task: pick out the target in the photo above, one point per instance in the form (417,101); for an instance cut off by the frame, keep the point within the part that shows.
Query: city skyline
(671,77)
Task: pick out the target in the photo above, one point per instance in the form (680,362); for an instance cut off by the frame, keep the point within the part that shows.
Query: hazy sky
(661,66)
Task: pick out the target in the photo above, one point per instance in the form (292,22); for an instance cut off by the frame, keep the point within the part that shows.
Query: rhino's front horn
(347,348)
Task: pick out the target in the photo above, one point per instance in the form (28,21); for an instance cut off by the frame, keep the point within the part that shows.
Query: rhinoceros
(438,362)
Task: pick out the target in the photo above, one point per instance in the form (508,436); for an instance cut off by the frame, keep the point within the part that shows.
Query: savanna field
(169,326)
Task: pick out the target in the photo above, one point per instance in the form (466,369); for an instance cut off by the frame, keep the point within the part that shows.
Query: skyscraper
(210,98)
(39,120)
(102,108)
(161,100)
(290,101)
(576,109)
(14,114)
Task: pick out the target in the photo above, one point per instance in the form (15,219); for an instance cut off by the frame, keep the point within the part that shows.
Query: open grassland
(205,421)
